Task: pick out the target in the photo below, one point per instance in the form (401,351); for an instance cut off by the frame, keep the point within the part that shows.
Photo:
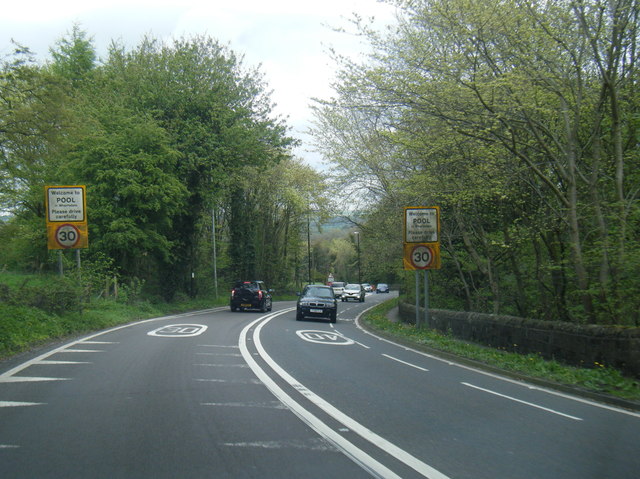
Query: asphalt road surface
(217,394)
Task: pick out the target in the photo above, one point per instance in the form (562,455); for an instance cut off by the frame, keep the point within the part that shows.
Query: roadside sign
(421,256)
(66,208)
(67,235)
(422,224)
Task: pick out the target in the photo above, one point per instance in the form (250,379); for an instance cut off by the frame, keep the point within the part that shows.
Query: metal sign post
(422,249)
(66,208)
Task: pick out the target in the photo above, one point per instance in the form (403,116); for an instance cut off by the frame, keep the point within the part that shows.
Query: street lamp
(357,233)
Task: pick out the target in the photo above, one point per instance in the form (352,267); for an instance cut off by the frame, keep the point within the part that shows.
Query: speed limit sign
(67,235)
(421,256)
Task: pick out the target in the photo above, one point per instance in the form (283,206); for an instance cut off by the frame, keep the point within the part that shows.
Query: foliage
(520,122)
(598,378)
(162,135)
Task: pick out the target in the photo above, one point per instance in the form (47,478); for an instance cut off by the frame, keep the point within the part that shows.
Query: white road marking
(523,402)
(231,381)
(8,446)
(312,445)
(217,346)
(28,379)
(47,361)
(272,405)
(231,355)
(404,362)
(357,454)
(81,351)
(19,404)
(498,377)
(222,365)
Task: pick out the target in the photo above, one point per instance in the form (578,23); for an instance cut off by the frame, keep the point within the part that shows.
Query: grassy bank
(600,379)
(23,327)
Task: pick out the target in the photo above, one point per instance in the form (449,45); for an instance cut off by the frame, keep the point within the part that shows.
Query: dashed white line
(28,379)
(81,351)
(553,411)
(19,404)
(406,363)
(272,405)
(48,362)
(222,365)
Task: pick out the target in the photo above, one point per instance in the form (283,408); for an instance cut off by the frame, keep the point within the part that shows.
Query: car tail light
(259,294)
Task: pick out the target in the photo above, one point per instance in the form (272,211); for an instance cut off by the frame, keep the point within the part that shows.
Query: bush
(52,294)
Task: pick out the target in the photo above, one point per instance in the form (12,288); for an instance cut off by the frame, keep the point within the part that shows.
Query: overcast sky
(289,38)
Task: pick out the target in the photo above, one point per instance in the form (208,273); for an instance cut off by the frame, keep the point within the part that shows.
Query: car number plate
(246,305)
(315,310)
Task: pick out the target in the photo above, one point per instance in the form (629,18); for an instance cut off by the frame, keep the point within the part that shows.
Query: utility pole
(357,233)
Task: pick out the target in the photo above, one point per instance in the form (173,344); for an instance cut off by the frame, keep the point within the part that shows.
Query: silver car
(338,287)
(353,291)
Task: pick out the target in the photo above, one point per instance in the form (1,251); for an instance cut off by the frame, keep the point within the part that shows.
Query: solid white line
(8,446)
(404,362)
(349,449)
(378,441)
(523,402)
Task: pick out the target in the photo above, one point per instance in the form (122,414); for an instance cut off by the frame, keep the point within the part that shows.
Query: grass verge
(601,379)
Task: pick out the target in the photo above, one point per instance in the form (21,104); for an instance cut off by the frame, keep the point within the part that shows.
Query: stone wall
(578,345)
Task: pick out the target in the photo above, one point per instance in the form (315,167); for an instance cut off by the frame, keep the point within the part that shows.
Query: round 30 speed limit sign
(421,256)
(67,235)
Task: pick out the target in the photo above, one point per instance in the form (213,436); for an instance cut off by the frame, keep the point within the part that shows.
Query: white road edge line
(357,454)
(404,362)
(496,376)
(553,411)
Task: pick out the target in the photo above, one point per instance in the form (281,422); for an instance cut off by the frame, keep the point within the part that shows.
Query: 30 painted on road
(179,331)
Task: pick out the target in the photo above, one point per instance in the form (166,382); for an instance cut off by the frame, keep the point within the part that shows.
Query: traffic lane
(156,406)
(597,420)
(581,443)
(436,416)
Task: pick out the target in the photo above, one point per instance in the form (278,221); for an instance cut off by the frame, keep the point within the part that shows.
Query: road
(216,394)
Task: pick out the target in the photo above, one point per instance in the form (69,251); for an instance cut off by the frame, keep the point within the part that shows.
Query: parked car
(317,301)
(367,287)
(382,288)
(250,295)
(338,288)
(353,291)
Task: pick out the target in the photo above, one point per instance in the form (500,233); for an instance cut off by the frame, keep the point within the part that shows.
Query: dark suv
(250,295)
(317,301)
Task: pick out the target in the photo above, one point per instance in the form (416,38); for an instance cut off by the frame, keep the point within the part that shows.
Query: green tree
(510,117)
